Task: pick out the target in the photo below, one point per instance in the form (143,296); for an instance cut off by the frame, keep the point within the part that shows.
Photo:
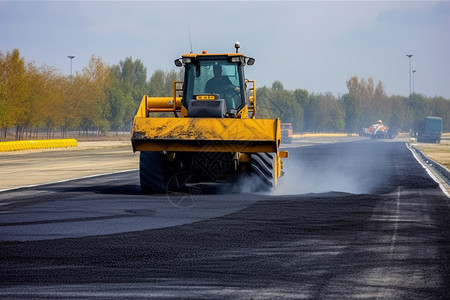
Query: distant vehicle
(286,133)
(378,131)
(430,130)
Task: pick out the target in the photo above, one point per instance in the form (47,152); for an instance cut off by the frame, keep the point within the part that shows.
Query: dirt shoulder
(30,167)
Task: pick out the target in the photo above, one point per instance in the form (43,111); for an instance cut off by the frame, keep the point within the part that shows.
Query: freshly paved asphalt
(349,220)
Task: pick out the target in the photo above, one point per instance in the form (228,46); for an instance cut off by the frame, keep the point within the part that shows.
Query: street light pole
(71,57)
(409,55)
(413,72)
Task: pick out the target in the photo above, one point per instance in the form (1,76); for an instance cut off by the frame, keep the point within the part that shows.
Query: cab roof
(205,54)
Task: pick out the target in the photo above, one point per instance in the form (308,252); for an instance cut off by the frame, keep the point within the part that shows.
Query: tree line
(102,98)
(363,105)
(99,99)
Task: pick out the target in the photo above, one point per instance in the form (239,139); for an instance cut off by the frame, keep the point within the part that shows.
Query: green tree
(161,83)
(129,85)
(134,75)
(157,84)
(264,108)
(440,107)
(289,110)
(279,103)
(401,116)
(120,100)
(420,108)
(327,114)
(352,111)
(303,98)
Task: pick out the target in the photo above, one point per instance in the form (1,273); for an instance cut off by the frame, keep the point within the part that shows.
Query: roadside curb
(443,171)
(37,144)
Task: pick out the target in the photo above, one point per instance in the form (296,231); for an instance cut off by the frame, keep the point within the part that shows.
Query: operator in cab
(224,87)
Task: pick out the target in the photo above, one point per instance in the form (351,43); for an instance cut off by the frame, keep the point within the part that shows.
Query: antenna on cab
(190,40)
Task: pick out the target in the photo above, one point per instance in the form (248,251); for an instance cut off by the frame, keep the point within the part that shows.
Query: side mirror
(250,61)
(178,63)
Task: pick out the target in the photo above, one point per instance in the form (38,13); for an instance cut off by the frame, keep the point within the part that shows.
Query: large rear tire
(153,172)
(262,167)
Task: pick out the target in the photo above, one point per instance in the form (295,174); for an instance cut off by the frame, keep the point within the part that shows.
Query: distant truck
(430,130)
(286,133)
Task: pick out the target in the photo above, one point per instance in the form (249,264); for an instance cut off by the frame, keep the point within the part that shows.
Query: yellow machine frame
(243,133)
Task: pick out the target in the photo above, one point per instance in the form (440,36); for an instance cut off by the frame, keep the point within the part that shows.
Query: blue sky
(313,45)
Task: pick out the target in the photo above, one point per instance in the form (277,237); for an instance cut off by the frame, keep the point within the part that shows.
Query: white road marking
(65,180)
(396,221)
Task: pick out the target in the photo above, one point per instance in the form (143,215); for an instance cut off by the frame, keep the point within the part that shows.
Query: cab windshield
(215,77)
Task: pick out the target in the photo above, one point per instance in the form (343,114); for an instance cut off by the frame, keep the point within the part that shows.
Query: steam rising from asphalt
(337,173)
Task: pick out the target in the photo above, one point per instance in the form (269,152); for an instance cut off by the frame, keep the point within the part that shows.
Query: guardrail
(37,144)
(444,172)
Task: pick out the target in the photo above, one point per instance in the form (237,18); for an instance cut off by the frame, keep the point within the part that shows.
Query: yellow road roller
(211,133)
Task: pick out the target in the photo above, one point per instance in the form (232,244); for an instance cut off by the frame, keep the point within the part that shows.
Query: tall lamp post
(413,72)
(71,57)
(409,55)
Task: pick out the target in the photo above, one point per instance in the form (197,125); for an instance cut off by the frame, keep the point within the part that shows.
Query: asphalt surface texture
(349,220)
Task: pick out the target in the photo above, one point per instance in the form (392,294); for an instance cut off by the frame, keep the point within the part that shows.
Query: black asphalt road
(350,220)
